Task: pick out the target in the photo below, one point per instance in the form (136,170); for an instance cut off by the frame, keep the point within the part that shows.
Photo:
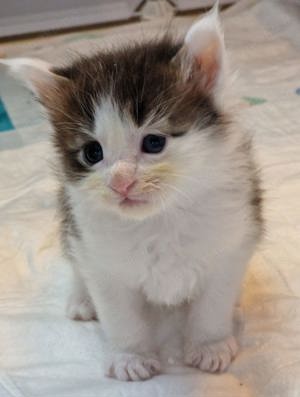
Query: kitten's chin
(127,202)
(135,209)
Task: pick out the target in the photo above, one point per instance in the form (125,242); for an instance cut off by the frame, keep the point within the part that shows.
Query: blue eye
(92,152)
(153,143)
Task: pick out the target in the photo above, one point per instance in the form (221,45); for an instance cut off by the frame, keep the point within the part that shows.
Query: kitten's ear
(204,51)
(37,75)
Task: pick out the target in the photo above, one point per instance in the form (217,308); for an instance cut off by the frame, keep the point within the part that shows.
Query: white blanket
(43,354)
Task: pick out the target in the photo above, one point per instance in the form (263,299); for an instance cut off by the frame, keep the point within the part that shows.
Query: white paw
(212,357)
(133,367)
(81,309)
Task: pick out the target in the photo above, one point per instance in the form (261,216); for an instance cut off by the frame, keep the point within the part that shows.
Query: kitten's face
(135,127)
(131,130)
(136,170)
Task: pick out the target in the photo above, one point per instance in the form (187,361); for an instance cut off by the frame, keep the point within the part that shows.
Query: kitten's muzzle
(123,178)
(123,188)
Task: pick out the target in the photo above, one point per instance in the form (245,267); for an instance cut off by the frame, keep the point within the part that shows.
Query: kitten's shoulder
(69,227)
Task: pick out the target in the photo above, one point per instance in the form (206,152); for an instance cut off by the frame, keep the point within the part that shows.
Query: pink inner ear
(209,63)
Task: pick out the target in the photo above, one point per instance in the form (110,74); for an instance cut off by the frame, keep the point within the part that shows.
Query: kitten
(160,197)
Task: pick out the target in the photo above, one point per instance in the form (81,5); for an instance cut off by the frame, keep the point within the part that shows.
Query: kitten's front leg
(80,305)
(209,341)
(127,325)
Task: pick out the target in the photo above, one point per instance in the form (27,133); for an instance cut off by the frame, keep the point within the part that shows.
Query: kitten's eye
(92,152)
(153,143)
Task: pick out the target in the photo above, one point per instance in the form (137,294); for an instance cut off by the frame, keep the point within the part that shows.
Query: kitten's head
(132,124)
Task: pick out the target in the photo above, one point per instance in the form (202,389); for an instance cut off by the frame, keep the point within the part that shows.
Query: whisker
(178,191)
(194,179)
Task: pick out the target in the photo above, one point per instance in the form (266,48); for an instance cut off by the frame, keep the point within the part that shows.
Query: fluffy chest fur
(169,258)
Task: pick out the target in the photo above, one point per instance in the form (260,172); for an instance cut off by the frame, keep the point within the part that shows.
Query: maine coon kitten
(160,198)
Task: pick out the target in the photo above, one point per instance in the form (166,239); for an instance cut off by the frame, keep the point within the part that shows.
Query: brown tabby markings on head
(143,80)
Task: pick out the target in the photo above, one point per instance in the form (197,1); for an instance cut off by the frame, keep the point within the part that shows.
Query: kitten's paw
(81,309)
(212,357)
(133,367)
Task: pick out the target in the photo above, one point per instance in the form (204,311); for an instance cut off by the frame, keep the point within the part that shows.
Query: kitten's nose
(122,186)
(123,178)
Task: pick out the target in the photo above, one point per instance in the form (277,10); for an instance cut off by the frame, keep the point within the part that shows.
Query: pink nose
(123,177)
(122,185)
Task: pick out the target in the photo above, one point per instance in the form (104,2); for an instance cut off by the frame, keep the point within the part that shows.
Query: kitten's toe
(81,309)
(133,367)
(212,357)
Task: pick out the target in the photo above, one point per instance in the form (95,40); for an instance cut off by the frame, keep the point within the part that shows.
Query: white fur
(194,250)
(203,32)
(35,73)
(187,251)
(184,252)
(205,39)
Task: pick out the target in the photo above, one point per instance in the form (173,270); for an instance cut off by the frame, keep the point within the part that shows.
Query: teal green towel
(5,121)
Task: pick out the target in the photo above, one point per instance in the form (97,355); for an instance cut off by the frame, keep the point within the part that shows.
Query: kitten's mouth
(128,202)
